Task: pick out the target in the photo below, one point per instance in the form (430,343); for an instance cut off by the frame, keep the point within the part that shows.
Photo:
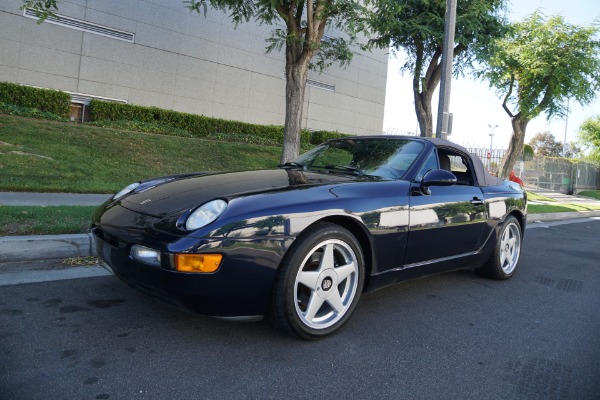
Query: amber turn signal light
(203,263)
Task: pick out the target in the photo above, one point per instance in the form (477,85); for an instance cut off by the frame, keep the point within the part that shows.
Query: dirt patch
(81,261)
(17,229)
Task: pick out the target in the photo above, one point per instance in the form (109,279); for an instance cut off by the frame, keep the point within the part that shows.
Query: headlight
(146,255)
(128,189)
(205,214)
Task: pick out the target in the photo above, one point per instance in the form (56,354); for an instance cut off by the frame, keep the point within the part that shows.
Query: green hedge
(318,137)
(200,125)
(11,109)
(46,100)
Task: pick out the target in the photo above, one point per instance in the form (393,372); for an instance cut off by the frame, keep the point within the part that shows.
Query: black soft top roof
(484,178)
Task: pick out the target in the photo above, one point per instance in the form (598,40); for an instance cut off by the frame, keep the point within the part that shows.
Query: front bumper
(241,287)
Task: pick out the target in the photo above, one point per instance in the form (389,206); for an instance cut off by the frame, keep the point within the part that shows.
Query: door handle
(477,202)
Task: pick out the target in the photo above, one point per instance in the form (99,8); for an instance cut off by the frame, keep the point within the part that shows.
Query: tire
(319,282)
(503,263)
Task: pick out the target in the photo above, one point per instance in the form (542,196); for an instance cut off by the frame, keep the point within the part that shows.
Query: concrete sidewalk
(46,247)
(51,199)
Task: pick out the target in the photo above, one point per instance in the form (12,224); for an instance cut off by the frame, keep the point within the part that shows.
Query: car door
(450,221)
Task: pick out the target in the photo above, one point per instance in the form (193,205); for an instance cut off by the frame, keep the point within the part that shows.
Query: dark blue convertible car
(301,243)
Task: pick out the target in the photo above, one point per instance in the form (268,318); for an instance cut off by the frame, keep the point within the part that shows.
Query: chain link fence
(545,173)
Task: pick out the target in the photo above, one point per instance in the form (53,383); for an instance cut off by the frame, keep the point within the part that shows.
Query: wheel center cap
(326,284)
(507,248)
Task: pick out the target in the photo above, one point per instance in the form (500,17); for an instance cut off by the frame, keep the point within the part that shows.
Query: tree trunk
(515,147)
(424,115)
(296,76)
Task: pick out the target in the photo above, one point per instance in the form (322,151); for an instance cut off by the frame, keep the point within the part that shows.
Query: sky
(475,105)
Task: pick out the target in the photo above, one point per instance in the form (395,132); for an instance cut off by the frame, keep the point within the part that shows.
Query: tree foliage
(417,26)
(536,67)
(301,24)
(545,144)
(589,137)
(42,8)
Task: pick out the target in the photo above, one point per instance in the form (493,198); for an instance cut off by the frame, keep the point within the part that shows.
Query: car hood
(176,194)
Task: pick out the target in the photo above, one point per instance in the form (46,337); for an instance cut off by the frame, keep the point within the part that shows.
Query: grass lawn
(551,208)
(17,220)
(595,194)
(47,156)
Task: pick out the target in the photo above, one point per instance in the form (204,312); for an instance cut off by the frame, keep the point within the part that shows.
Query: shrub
(45,100)
(11,109)
(202,126)
(319,137)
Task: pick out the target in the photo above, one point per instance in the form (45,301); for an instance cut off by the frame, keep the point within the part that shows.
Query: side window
(431,163)
(461,168)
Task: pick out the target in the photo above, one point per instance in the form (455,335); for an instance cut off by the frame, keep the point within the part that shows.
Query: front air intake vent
(81,25)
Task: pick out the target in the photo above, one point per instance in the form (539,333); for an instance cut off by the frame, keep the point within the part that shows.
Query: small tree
(536,67)
(589,137)
(417,26)
(545,144)
(572,150)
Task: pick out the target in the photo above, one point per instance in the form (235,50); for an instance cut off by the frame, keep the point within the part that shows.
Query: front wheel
(504,261)
(319,282)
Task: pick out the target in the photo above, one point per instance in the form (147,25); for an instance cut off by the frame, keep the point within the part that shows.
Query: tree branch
(309,19)
(282,12)
(433,64)
(510,89)
(291,22)
(537,110)
(319,10)
(418,65)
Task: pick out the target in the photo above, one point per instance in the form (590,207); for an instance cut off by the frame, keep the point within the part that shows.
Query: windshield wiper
(291,164)
(343,168)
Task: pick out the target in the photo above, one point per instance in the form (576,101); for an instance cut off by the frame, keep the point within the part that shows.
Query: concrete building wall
(185,62)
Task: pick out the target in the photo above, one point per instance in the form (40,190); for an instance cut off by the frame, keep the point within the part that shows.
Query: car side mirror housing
(437,177)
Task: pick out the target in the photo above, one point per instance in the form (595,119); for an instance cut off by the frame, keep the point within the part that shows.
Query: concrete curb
(46,247)
(49,247)
(559,216)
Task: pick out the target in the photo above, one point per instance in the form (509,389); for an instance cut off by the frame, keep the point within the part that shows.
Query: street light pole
(491,143)
(564,152)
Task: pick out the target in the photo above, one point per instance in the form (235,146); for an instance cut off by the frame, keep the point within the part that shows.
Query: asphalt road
(454,336)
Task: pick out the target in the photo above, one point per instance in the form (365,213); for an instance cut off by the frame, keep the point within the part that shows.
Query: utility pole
(447,55)
(491,143)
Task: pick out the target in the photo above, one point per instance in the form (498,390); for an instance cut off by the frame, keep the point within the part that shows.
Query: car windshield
(376,157)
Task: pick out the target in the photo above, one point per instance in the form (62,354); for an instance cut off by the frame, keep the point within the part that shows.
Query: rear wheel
(504,262)
(319,282)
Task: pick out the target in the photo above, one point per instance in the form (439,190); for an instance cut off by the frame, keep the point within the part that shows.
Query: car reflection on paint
(301,243)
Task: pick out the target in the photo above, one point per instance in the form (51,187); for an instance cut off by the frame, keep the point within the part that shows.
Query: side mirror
(437,177)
